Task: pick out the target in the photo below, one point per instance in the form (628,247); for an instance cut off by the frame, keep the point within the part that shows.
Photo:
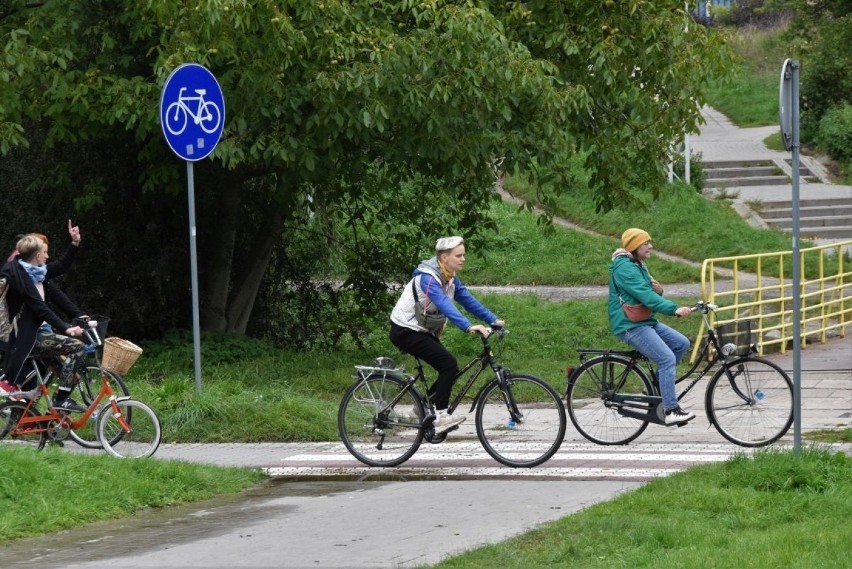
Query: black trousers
(429,349)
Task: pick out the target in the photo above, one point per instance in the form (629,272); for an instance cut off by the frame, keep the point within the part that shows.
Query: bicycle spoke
(135,433)
(525,432)
(590,407)
(750,402)
(374,433)
(32,435)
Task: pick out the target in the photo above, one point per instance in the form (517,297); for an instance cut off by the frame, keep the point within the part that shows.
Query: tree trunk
(220,239)
(247,281)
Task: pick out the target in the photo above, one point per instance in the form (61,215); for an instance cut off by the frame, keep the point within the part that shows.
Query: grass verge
(53,489)
(774,510)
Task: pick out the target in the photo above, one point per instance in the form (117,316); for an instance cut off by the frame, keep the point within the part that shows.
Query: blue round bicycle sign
(192,111)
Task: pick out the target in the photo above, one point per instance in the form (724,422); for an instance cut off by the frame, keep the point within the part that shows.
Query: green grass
(775,510)
(526,251)
(750,97)
(53,490)
(841,435)
(681,222)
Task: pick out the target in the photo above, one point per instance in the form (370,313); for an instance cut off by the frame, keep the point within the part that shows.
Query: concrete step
(717,173)
(833,203)
(735,173)
(745,181)
(841,212)
(736,163)
(812,222)
(835,232)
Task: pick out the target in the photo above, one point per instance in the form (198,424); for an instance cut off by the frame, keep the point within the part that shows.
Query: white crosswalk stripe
(460,460)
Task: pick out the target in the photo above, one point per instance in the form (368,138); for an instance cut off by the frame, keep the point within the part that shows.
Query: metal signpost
(788,109)
(192,115)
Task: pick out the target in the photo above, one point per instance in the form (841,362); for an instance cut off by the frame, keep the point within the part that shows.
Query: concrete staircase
(828,218)
(735,174)
(761,191)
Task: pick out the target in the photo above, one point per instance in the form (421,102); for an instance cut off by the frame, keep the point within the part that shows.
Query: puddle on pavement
(163,528)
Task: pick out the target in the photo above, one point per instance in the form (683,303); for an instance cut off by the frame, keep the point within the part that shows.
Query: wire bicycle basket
(735,338)
(119,355)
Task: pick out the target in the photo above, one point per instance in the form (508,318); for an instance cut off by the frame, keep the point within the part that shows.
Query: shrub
(826,81)
(834,134)
(697,175)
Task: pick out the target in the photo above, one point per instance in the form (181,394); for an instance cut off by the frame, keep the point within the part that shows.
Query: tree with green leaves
(359,127)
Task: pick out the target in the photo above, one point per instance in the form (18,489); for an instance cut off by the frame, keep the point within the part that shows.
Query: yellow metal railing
(760,288)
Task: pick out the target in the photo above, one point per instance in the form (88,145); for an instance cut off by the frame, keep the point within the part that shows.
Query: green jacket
(633,281)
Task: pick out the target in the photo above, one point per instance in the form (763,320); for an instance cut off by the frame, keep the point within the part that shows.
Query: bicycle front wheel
(88,388)
(521,423)
(33,435)
(590,400)
(750,402)
(124,438)
(375,432)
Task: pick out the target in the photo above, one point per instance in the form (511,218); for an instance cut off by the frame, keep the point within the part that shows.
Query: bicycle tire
(590,405)
(88,388)
(10,413)
(540,431)
(750,401)
(386,439)
(143,438)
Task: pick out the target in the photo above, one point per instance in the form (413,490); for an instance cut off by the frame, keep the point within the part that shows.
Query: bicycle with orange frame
(125,428)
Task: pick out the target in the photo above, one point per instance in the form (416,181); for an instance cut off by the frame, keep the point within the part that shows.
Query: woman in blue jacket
(630,283)
(422,312)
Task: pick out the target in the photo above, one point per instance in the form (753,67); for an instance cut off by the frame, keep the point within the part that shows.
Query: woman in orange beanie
(631,285)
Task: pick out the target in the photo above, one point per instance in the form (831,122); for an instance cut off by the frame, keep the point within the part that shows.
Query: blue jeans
(665,347)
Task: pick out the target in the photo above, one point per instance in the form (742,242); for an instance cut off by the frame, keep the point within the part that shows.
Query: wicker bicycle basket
(119,355)
(737,333)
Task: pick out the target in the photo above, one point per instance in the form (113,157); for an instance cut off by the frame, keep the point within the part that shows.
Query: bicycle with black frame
(384,417)
(614,395)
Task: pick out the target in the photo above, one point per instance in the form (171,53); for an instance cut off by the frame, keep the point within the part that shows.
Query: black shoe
(69,406)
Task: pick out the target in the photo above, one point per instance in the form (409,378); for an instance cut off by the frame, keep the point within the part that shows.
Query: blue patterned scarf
(36,272)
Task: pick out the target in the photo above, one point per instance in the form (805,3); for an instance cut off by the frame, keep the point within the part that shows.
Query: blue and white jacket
(437,296)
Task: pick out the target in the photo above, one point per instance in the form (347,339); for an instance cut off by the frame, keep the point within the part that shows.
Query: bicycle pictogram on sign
(192,111)
(207,114)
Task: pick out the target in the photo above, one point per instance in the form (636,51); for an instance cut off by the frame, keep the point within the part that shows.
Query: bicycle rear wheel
(88,388)
(750,402)
(374,433)
(591,407)
(143,437)
(540,423)
(32,436)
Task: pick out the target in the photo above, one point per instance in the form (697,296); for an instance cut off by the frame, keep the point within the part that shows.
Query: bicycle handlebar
(500,331)
(704,307)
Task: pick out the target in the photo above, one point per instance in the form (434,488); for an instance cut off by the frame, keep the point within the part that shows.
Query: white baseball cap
(447,243)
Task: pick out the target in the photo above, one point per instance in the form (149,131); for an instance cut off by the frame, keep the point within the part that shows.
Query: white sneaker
(678,415)
(444,421)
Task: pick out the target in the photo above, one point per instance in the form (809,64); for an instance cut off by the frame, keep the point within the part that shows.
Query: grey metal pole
(194,270)
(797,269)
